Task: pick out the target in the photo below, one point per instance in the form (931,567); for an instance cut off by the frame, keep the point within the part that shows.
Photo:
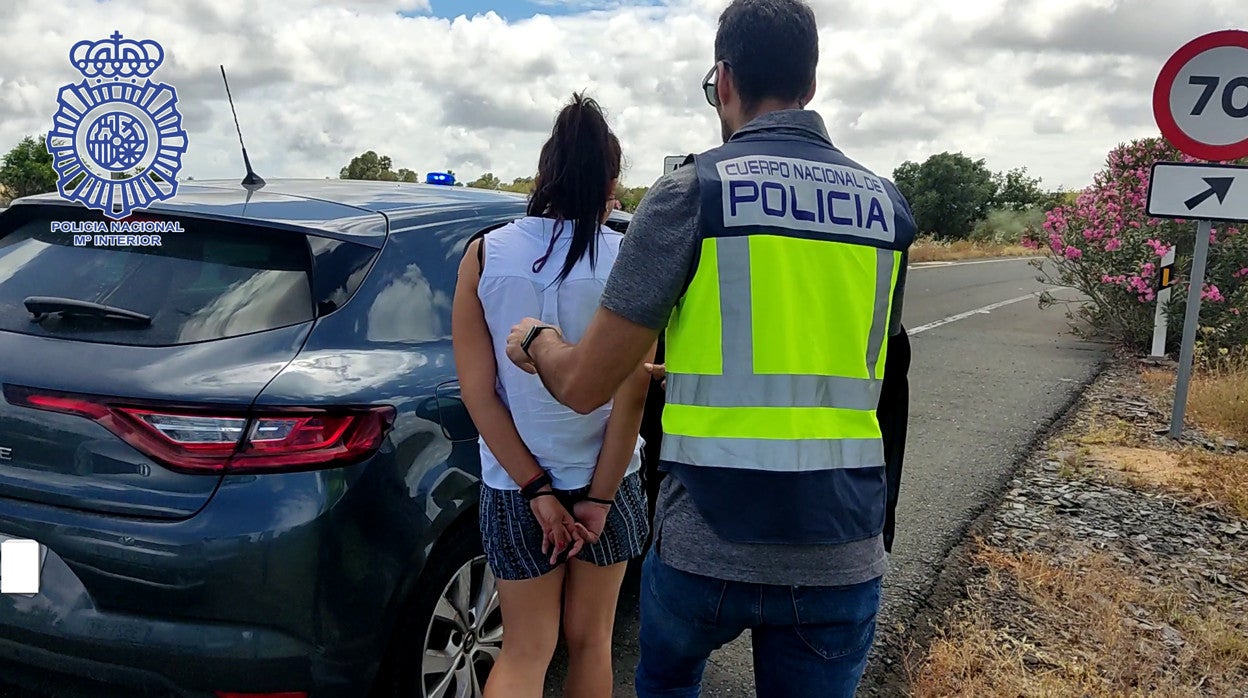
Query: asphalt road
(982,386)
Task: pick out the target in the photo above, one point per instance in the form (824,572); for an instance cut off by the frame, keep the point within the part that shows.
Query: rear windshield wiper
(40,306)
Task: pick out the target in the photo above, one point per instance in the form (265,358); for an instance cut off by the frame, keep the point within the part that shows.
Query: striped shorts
(513,538)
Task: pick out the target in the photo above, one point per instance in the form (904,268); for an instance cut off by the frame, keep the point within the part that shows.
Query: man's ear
(724,86)
(810,94)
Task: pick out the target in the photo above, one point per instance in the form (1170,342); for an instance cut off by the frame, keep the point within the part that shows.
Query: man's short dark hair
(772,47)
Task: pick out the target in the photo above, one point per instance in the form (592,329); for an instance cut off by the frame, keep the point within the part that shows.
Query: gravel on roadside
(1171,611)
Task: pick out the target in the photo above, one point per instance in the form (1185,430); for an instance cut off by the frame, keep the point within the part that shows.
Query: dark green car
(242,450)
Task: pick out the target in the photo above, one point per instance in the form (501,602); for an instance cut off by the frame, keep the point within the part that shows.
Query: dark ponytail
(574,175)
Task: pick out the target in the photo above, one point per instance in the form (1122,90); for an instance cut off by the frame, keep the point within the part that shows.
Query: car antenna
(252,181)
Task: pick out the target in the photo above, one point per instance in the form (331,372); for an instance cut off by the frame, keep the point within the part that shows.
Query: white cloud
(1049,85)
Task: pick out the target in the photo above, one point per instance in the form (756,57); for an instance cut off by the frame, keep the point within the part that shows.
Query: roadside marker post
(1200,102)
(1161,319)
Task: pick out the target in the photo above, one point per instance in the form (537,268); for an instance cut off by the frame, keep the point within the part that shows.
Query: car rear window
(211,281)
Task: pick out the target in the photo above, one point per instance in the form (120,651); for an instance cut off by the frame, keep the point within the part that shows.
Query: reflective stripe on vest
(772,372)
(775,354)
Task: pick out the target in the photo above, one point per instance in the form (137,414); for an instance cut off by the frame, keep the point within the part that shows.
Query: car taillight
(207,440)
(295,440)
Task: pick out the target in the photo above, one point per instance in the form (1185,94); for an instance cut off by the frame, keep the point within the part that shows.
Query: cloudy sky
(473,85)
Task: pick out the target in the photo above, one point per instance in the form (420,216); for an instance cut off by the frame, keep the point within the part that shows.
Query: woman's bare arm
(478,375)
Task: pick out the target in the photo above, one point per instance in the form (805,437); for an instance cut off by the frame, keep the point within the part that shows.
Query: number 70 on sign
(1210,84)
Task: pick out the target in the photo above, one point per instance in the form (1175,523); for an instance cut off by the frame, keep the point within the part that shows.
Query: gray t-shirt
(656,260)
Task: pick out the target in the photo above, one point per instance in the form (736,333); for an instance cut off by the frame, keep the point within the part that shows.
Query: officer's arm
(655,261)
(585,375)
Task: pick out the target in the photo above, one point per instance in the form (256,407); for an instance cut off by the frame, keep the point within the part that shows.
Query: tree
(1017,191)
(1059,197)
(27,169)
(948,193)
(149,173)
(630,197)
(485,181)
(371,166)
(519,185)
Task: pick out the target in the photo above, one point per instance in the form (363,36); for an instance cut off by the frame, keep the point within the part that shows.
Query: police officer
(774,262)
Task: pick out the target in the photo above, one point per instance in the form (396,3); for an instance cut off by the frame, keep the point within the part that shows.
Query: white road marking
(936,265)
(978,311)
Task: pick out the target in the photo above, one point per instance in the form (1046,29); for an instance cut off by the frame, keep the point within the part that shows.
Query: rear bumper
(48,674)
(247,596)
(60,632)
(286,582)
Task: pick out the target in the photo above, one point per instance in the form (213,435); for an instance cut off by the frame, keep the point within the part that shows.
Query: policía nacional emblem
(117,140)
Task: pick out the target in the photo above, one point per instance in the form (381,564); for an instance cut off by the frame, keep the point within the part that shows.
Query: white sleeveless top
(565,443)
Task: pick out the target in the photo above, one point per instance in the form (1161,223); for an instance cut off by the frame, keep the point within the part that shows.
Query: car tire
(451,631)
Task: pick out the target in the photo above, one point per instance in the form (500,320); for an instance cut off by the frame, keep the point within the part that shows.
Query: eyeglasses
(710,83)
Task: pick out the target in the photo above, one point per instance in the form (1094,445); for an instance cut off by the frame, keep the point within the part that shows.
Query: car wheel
(454,630)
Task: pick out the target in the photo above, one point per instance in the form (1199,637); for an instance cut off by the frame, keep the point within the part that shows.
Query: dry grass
(1223,478)
(1217,403)
(1217,400)
(928,250)
(1094,627)
(1107,429)
(1084,629)
(1212,477)
(1149,467)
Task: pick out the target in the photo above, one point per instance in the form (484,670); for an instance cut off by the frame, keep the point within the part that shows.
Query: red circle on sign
(1165,83)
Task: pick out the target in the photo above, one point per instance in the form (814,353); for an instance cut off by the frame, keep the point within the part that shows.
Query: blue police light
(442,178)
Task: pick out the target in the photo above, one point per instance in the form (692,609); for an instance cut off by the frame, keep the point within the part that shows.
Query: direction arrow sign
(1218,186)
(1200,99)
(1198,191)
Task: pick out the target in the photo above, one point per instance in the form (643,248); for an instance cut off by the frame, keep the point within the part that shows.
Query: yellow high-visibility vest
(775,354)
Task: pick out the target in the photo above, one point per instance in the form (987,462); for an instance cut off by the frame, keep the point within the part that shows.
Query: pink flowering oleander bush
(1107,247)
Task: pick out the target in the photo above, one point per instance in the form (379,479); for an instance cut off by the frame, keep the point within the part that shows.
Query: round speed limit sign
(1200,100)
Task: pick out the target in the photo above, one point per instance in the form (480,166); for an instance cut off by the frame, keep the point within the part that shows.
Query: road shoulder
(911,618)
(1116,561)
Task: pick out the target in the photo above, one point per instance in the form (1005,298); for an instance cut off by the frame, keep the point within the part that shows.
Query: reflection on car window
(212,281)
(340,268)
(416,277)
(409,309)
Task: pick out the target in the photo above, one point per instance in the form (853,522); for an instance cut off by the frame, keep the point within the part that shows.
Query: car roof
(357,210)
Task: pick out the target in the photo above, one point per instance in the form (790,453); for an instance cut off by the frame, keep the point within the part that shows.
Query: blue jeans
(808,641)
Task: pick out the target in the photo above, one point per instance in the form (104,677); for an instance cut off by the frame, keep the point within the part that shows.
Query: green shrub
(1007,227)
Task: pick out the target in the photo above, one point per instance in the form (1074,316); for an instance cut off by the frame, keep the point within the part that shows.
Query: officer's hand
(658,372)
(514,352)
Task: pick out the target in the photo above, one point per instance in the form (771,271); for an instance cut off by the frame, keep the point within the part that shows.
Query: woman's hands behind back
(561,530)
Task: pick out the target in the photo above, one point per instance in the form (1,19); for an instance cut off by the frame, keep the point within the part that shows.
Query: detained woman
(562,505)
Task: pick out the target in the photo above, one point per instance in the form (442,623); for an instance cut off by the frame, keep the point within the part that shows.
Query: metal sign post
(1191,320)
(1200,102)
